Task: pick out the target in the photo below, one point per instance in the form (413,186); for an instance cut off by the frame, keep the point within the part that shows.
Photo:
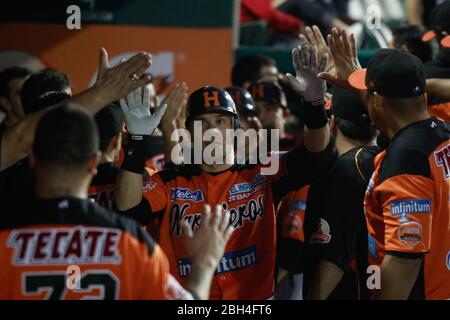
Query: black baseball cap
(243,101)
(393,74)
(440,21)
(268,91)
(109,121)
(347,105)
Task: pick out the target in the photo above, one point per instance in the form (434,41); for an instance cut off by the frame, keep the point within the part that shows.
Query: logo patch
(322,234)
(405,207)
(410,233)
(448,260)
(442,158)
(373,252)
(186,194)
(231,261)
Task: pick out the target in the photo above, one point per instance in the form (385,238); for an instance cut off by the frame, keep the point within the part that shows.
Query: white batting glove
(136,110)
(306,83)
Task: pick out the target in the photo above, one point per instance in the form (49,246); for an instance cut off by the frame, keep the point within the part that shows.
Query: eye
(220,121)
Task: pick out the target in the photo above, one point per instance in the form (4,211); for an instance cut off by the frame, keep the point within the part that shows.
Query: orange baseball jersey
(101,189)
(74,249)
(292,214)
(407,204)
(246,271)
(440,111)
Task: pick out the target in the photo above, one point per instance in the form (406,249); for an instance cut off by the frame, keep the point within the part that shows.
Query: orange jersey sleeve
(407,202)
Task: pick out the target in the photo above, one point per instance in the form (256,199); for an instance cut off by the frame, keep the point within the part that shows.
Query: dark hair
(248,68)
(66,137)
(39,84)
(411,37)
(364,131)
(9,74)
(50,99)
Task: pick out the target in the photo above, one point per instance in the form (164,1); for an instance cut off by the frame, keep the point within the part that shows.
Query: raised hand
(114,83)
(207,244)
(175,101)
(136,109)
(343,51)
(314,36)
(306,65)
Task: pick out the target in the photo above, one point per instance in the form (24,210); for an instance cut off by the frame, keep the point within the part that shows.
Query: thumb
(290,77)
(187,231)
(103,62)
(328,78)
(159,112)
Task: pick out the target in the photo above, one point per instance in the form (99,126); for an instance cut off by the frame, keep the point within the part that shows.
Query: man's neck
(397,123)
(54,188)
(344,144)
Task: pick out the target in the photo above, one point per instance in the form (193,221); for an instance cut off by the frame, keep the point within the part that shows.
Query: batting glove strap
(135,152)
(315,115)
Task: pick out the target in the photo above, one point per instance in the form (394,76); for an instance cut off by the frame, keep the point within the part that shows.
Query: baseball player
(335,258)
(66,247)
(247,269)
(407,199)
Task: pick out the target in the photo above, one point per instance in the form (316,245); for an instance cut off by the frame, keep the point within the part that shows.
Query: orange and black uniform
(247,268)
(291,215)
(407,204)
(335,228)
(101,189)
(117,260)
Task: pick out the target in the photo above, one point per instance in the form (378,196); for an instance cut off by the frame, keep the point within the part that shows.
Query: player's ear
(333,125)
(93,162)
(6,105)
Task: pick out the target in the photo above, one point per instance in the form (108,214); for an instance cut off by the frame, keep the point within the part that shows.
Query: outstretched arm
(111,85)
(140,124)
(313,89)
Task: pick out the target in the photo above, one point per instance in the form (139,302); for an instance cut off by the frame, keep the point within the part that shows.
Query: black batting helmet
(210,100)
(243,101)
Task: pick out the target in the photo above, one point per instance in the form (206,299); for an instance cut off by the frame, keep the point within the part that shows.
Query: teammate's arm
(140,124)
(206,248)
(112,84)
(326,278)
(398,275)
(415,12)
(439,88)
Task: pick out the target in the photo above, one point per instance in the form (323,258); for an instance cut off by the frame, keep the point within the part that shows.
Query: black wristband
(315,115)
(135,152)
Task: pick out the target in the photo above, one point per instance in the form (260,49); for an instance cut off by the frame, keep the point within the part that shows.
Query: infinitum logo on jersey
(78,245)
(405,207)
(230,262)
(186,194)
(448,260)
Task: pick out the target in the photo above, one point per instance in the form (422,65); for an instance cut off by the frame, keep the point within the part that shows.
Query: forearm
(128,190)
(200,279)
(398,276)
(439,88)
(415,11)
(92,100)
(17,139)
(326,278)
(317,132)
